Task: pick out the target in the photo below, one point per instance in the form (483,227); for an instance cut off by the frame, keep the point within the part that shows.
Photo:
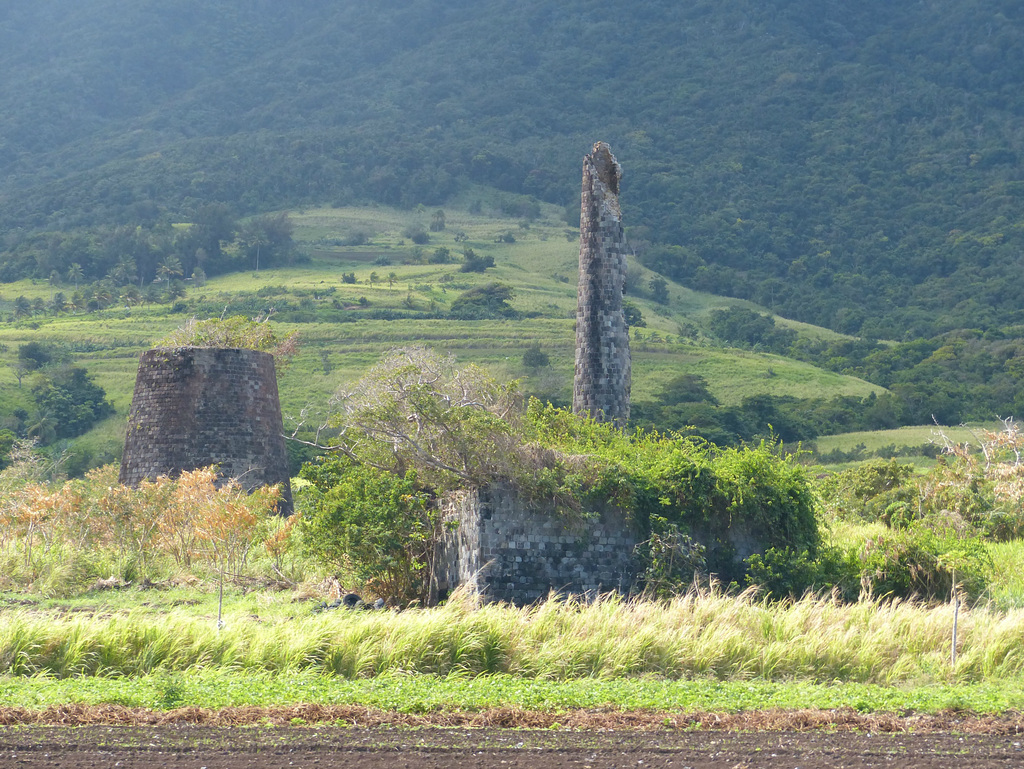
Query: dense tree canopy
(856,165)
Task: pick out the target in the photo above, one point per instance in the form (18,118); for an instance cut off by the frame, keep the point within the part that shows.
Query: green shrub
(671,559)
(234,332)
(924,562)
(786,572)
(473,263)
(376,526)
(871,490)
(716,496)
(487,301)
(534,357)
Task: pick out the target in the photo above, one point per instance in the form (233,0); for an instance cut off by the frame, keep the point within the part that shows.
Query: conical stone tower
(195,407)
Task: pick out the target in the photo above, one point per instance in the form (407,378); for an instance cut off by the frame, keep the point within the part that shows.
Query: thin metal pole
(956,618)
(220,603)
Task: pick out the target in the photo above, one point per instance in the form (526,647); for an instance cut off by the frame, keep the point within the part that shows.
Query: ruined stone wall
(603,370)
(194,407)
(509,550)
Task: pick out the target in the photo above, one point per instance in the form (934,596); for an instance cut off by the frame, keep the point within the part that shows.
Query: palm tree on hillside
(42,426)
(75,273)
(170,268)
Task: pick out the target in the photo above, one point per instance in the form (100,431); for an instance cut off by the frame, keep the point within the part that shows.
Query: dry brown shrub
(839,720)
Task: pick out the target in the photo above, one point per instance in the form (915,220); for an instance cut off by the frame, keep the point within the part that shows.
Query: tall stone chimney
(603,370)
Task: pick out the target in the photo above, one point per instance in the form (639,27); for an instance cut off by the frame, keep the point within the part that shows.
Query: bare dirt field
(77,737)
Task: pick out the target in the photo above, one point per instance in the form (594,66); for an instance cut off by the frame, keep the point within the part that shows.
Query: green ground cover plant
(235,332)
(412,693)
(407,693)
(891,531)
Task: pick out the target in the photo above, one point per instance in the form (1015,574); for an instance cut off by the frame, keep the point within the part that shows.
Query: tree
(534,357)
(36,355)
(174,290)
(213,224)
(634,318)
(22,307)
(71,398)
(7,442)
(131,296)
(473,263)
(20,369)
(686,388)
(123,272)
(746,327)
(255,239)
(42,427)
(103,297)
(416,234)
(659,290)
(75,273)
(417,410)
(170,268)
(437,222)
(487,301)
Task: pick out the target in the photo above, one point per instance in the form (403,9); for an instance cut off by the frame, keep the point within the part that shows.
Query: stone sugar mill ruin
(196,406)
(199,406)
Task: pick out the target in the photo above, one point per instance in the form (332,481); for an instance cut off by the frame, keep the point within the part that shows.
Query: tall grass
(696,636)
(1006,586)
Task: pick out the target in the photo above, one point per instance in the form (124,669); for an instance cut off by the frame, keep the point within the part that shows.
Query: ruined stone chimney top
(606,168)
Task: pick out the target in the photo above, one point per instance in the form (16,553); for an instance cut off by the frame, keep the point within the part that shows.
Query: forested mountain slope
(856,165)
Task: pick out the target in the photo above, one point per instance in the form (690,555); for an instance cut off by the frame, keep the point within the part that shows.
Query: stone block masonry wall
(603,374)
(509,550)
(194,407)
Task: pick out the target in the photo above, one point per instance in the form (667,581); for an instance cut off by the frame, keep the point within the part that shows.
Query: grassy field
(904,436)
(163,649)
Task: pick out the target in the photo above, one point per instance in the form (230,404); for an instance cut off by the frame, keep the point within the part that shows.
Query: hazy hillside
(856,165)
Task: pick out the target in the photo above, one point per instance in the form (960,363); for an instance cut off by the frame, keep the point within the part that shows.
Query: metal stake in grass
(956,617)
(220,603)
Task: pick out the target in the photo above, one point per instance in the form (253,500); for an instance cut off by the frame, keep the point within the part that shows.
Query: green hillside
(843,173)
(852,165)
(346,321)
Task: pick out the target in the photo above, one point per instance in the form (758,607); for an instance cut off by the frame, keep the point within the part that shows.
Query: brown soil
(312,736)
